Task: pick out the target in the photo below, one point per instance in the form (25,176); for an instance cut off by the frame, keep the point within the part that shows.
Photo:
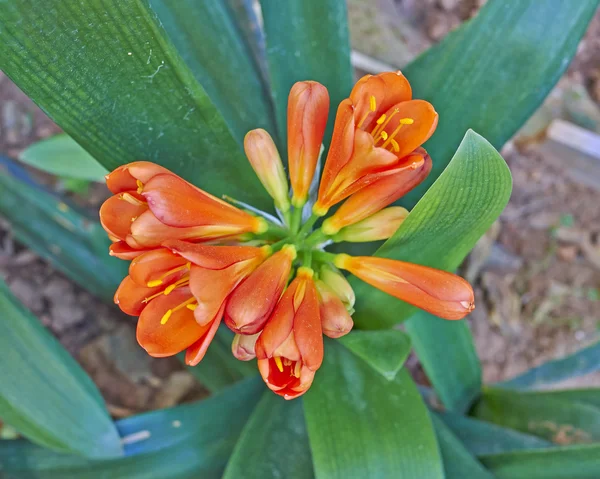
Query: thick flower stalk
(198,261)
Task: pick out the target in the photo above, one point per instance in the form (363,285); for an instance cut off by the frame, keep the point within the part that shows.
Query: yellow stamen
(166,316)
(383,136)
(372,103)
(403,121)
(131,199)
(395,145)
(192,307)
(383,124)
(381,119)
(153,284)
(140,186)
(159,280)
(169,289)
(277,360)
(297,369)
(182,282)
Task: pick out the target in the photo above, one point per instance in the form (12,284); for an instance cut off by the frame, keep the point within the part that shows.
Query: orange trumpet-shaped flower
(254,299)
(375,128)
(215,271)
(290,348)
(335,319)
(308,108)
(438,292)
(379,226)
(379,194)
(242,346)
(266,162)
(152,205)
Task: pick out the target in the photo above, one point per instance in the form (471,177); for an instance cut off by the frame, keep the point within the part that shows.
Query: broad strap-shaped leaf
(580,363)
(71,240)
(60,155)
(447,353)
(484,438)
(274,443)
(584,396)
(106,72)
(211,44)
(184,442)
(307,40)
(362,426)
(493,73)
(445,225)
(385,351)
(572,462)
(545,416)
(459,463)
(44,393)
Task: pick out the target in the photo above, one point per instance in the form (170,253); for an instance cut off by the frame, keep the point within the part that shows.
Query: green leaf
(362,426)
(60,155)
(579,364)
(44,393)
(307,40)
(482,437)
(184,442)
(494,72)
(274,443)
(459,463)
(209,41)
(442,229)
(106,72)
(575,462)
(72,241)
(447,353)
(584,396)
(219,369)
(384,351)
(542,415)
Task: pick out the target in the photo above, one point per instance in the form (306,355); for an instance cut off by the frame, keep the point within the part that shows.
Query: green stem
(323,256)
(306,227)
(287,218)
(278,231)
(296,220)
(277,246)
(315,238)
(307,258)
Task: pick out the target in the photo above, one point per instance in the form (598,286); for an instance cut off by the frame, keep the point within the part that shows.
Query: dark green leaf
(60,155)
(363,426)
(493,73)
(542,415)
(584,396)
(56,230)
(482,437)
(458,462)
(575,462)
(44,393)
(106,72)
(274,443)
(307,40)
(384,351)
(582,362)
(447,353)
(211,44)
(445,225)
(185,442)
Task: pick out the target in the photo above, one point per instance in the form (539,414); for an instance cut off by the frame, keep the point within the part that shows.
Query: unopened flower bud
(266,162)
(379,226)
(335,319)
(338,283)
(242,346)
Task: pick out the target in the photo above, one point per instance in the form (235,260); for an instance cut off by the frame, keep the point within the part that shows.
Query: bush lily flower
(197,260)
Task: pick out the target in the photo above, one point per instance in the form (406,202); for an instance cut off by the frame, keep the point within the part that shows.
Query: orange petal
(125,177)
(307,328)
(283,383)
(117,214)
(122,250)
(130,296)
(254,299)
(177,203)
(215,257)
(154,266)
(386,88)
(195,353)
(437,292)
(308,108)
(410,136)
(178,333)
(379,194)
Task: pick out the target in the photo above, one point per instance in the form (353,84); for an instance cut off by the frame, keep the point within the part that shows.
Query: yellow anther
(382,126)
(297,369)
(381,119)
(395,146)
(192,307)
(278,362)
(154,283)
(384,135)
(372,103)
(166,316)
(169,289)
(140,186)
(407,121)
(131,199)
(403,121)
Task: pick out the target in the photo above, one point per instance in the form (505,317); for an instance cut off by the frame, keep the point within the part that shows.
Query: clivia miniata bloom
(198,261)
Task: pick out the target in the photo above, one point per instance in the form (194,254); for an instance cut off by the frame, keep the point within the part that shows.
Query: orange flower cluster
(197,260)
